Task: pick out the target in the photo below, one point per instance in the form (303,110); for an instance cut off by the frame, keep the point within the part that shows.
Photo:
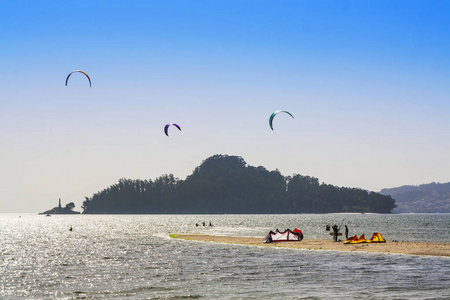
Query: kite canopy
(376,238)
(285,236)
(79,71)
(274,114)
(166,128)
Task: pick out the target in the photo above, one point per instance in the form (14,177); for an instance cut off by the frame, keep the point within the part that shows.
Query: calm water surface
(132,257)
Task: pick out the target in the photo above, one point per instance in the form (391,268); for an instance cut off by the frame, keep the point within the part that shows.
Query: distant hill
(225,184)
(425,198)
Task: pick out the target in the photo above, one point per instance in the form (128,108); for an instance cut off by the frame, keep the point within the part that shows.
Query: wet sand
(410,248)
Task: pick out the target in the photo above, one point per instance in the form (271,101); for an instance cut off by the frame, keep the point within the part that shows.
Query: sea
(134,257)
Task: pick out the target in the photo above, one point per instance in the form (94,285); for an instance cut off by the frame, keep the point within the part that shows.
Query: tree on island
(70,206)
(226,184)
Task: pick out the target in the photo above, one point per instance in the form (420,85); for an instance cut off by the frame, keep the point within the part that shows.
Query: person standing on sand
(346,232)
(335,231)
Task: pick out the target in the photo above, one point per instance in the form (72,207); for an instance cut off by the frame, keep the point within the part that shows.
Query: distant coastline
(425,198)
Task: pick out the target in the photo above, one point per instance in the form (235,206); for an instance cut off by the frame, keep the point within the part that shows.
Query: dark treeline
(226,184)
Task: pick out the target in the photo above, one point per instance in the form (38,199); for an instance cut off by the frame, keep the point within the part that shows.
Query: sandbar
(409,248)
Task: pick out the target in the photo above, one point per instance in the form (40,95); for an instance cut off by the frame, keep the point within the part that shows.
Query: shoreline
(407,248)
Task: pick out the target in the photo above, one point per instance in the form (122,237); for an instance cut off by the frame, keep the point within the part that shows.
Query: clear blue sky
(367,83)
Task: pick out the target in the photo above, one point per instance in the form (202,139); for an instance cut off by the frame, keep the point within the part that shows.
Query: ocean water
(133,257)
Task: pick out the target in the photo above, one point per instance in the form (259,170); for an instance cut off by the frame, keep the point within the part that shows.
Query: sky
(367,83)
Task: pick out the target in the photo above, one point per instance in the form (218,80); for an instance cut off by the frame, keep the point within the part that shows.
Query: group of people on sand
(336,232)
(204,224)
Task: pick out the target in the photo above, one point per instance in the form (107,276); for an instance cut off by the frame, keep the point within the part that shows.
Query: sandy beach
(410,248)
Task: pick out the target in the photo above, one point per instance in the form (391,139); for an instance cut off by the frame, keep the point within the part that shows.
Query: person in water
(346,232)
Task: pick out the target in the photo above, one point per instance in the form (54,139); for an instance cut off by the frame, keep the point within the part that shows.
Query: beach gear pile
(376,238)
(285,236)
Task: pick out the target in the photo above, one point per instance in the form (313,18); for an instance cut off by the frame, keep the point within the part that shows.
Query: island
(226,184)
(59,210)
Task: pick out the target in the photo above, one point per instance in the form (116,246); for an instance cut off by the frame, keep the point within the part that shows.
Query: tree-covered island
(59,210)
(225,184)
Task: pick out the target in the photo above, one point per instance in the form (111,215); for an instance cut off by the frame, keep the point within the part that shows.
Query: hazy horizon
(366,82)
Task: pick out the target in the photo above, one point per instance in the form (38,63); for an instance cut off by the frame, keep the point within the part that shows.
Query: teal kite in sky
(274,114)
